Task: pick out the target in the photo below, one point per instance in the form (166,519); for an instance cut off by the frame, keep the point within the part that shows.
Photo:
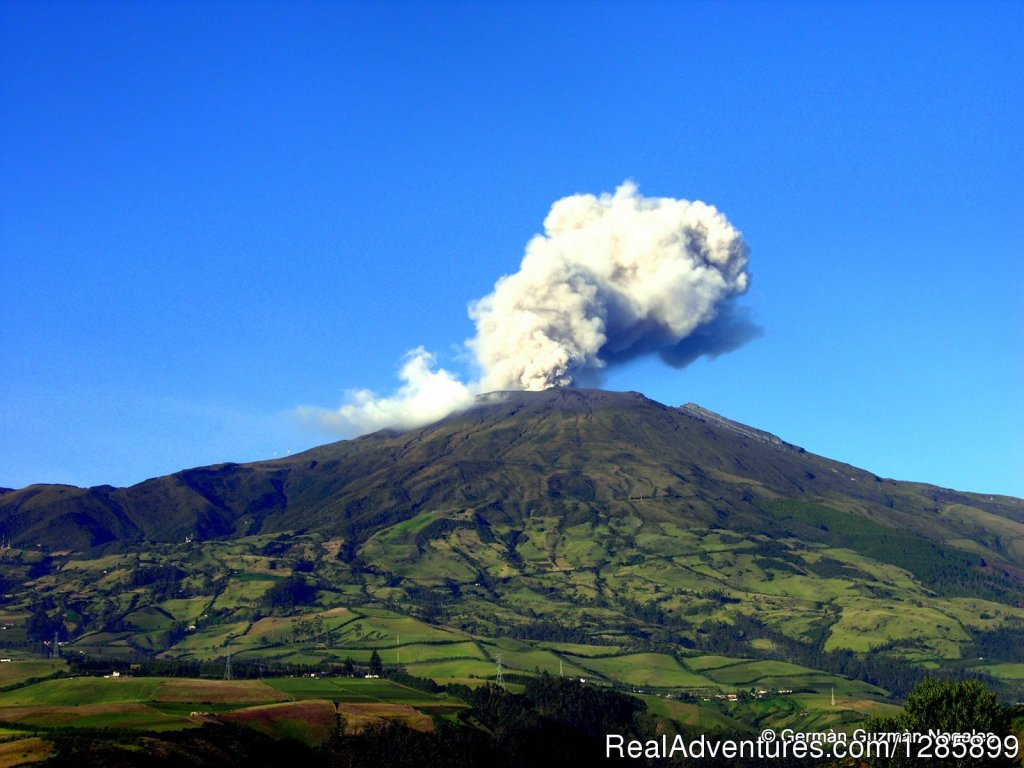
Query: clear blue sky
(211,213)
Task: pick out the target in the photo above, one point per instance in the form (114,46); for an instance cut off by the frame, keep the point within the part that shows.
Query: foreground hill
(592,532)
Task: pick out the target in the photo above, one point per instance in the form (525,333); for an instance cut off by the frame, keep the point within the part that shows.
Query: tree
(954,706)
(376,667)
(290,592)
(948,706)
(41,627)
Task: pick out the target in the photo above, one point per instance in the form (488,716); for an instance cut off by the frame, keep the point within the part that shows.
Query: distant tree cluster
(43,627)
(424,684)
(289,592)
(41,567)
(549,631)
(1005,643)
(163,580)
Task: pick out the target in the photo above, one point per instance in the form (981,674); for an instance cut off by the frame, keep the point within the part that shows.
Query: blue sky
(212,213)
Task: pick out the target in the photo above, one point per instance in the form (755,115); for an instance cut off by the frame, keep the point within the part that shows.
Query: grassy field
(84,690)
(1006,671)
(301,708)
(187,609)
(349,689)
(149,618)
(703,715)
(521,657)
(124,715)
(24,751)
(705,663)
(568,572)
(357,717)
(579,649)
(866,623)
(19,671)
(588,593)
(749,673)
(655,670)
(459,669)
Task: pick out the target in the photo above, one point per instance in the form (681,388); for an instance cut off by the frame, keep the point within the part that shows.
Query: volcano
(562,452)
(603,521)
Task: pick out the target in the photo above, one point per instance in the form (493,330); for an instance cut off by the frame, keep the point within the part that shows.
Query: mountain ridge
(510,450)
(569,516)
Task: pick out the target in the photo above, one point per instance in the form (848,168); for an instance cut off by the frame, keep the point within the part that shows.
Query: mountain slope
(583,528)
(510,456)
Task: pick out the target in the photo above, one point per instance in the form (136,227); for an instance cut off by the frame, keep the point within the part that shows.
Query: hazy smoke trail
(427,394)
(612,277)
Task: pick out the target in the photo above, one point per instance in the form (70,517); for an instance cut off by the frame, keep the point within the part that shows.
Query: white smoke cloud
(611,277)
(427,394)
(610,274)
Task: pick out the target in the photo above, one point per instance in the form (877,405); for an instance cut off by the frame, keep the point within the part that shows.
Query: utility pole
(227,666)
(500,679)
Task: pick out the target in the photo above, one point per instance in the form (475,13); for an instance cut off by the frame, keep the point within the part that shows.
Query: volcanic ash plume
(612,277)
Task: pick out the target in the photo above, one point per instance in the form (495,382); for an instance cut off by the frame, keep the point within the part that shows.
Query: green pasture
(349,689)
(578,649)
(704,715)
(381,629)
(524,658)
(866,623)
(149,619)
(454,669)
(21,670)
(134,716)
(657,670)
(1005,671)
(83,690)
(242,591)
(186,609)
(706,663)
(749,673)
(417,652)
(212,641)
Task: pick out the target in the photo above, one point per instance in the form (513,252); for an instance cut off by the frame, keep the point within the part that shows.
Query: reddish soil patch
(310,721)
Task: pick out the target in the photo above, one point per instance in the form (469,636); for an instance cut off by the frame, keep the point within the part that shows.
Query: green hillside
(578,532)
